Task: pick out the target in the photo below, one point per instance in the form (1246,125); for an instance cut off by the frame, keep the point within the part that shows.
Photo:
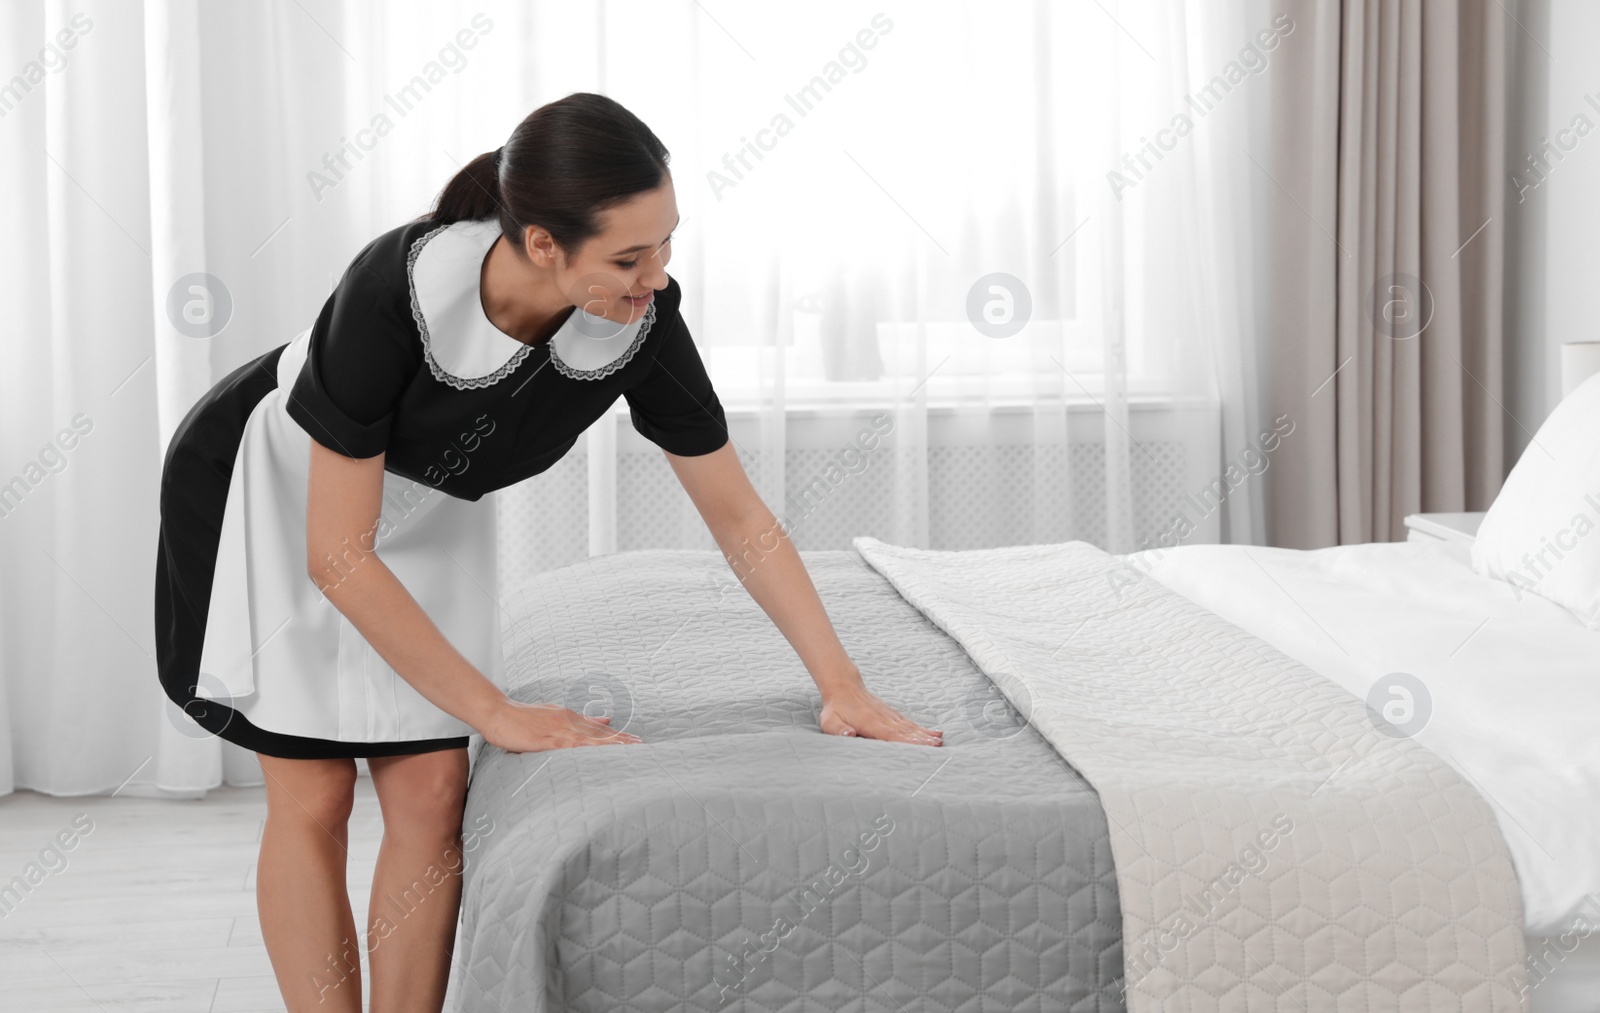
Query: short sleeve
(359,362)
(674,405)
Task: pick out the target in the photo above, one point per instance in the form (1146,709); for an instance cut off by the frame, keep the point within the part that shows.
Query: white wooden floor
(155,909)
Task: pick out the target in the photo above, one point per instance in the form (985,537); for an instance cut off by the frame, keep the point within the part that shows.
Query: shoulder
(670,341)
(672,297)
(668,307)
(375,290)
(403,276)
(369,309)
(384,265)
(665,321)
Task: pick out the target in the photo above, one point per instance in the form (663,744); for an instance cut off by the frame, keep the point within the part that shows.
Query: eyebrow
(636,249)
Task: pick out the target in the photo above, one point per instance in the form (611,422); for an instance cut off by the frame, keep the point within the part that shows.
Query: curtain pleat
(1403,400)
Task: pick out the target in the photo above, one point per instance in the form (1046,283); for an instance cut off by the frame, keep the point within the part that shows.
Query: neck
(520,299)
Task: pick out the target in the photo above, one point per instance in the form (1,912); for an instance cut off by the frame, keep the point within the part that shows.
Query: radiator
(987,484)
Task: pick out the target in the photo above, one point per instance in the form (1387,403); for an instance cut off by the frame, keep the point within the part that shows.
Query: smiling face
(627,258)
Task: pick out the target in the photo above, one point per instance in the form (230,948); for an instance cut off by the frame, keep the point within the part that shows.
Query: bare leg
(306,921)
(416,887)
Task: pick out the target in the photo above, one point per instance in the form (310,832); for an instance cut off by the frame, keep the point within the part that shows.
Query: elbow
(332,569)
(747,543)
(317,572)
(742,513)
(756,528)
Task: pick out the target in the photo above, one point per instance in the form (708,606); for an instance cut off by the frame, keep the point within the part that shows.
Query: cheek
(597,290)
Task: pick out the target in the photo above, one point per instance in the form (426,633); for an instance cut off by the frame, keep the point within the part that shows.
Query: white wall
(1552,245)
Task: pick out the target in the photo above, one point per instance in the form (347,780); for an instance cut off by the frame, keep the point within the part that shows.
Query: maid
(327,554)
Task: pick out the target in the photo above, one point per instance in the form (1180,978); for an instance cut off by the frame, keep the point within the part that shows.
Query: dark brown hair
(568,161)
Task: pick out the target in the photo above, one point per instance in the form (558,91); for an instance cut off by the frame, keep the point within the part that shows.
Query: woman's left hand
(854,710)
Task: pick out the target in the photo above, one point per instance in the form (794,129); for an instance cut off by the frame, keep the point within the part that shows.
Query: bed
(1190,780)
(1130,741)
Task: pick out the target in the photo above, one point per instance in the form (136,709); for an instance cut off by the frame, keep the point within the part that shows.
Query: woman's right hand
(533,727)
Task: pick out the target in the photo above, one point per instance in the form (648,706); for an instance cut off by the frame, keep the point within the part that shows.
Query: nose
(654,276)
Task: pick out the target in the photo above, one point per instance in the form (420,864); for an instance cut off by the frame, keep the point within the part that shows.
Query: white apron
(279,652)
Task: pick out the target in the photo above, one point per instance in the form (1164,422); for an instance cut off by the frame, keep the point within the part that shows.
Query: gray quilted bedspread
(738,859)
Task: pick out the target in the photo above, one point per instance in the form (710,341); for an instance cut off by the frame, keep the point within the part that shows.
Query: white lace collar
(465,350)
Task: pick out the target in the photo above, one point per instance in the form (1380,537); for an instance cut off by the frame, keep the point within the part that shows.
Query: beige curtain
(1386,217)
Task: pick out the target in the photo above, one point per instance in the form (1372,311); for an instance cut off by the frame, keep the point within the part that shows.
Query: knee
(437,795)
(326,795)
(425,797)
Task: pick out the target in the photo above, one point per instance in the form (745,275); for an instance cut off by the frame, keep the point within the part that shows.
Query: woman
(460,353)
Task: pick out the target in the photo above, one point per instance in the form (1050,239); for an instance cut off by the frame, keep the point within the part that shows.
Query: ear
(540,247)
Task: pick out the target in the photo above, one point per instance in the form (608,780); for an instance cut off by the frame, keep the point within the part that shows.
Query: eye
(630,264)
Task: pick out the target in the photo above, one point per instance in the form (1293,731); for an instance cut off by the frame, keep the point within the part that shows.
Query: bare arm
(766,563)
(344,501)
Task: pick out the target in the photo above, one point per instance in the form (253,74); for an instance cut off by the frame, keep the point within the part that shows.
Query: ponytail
(565,163)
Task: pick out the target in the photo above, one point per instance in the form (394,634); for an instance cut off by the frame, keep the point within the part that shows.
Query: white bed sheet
(1514,683)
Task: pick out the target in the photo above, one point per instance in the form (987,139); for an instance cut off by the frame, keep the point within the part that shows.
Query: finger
(917,729)
(587,723)
(907,731)
(917,735)
(610,735)
(593,729)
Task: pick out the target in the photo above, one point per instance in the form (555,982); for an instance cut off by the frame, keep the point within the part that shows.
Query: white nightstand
(1454,531)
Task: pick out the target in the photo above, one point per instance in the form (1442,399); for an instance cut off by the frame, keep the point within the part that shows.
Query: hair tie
(497,152)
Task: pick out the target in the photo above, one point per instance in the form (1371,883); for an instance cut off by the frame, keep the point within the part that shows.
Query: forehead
(643,215)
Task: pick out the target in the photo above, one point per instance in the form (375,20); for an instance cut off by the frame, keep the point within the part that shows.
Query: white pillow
(1542,533)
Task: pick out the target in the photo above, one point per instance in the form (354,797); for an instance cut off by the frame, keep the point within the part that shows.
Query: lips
(641,300)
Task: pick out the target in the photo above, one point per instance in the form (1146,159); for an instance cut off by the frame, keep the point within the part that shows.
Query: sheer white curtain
(932,312)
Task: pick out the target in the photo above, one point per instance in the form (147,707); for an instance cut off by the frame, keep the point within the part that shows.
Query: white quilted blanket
(1274,849)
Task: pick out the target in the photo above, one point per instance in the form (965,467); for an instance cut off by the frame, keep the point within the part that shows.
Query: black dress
(402,361)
